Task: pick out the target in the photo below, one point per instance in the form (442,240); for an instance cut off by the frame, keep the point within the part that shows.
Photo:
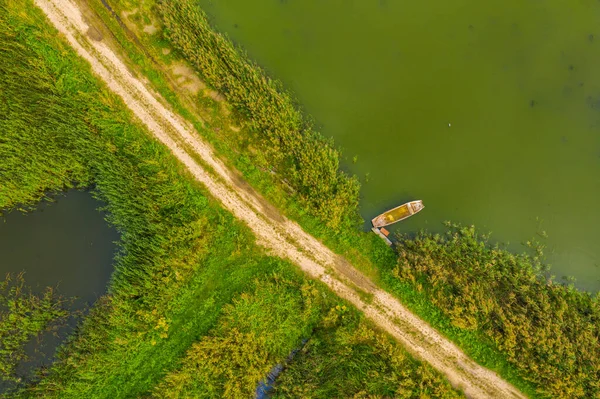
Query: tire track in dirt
(275,232)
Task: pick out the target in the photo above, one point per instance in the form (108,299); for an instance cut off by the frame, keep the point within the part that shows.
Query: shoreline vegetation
(25,316)
(548,331)
(544,332)
(187,274)
(289,146)
(539,335)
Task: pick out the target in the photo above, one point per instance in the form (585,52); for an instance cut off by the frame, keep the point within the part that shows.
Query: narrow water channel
(488,111)
(65,244)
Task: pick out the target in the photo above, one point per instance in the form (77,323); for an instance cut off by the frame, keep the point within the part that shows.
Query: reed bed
(24,316)
(548,331)
(288,144)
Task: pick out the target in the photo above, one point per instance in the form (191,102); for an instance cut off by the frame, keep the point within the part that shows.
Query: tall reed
(288,143)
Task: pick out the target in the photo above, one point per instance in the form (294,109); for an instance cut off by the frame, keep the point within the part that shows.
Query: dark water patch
(65,244)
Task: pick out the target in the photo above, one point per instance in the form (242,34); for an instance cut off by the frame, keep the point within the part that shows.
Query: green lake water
(488,111)
(64,244)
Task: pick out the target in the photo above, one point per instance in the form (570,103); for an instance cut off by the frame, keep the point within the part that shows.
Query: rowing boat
(398,213)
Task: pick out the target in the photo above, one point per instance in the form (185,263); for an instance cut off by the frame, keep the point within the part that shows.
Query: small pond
(65,244)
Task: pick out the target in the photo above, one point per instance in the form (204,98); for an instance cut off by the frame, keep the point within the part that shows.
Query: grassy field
(194,307)
(556,360)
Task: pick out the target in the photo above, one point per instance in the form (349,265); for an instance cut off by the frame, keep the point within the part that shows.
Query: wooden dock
(381,234)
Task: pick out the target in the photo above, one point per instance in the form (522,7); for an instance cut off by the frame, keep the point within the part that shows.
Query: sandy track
(281,236)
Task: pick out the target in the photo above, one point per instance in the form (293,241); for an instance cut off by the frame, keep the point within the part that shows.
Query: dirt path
(275,232)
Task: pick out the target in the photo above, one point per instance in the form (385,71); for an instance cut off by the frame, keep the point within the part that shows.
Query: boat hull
(397,214)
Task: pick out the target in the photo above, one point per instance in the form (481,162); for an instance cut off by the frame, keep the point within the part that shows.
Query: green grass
(167,252)
(344,356)
(186,274)
(365,251)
